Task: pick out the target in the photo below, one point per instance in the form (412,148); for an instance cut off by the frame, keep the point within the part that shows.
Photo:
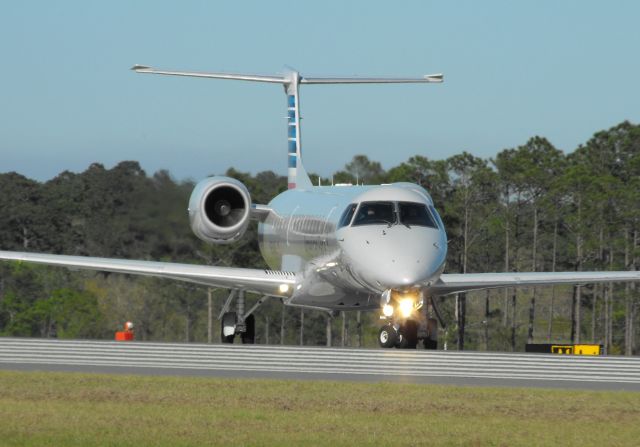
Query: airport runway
(318,363)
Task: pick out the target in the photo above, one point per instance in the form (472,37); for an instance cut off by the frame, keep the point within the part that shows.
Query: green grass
(72,409)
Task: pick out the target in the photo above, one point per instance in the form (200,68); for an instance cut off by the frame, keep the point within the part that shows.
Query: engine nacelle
(219,210)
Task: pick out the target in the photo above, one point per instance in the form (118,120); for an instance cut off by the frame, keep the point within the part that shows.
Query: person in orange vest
(127,334)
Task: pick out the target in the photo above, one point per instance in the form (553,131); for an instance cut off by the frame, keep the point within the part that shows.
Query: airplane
(333,248)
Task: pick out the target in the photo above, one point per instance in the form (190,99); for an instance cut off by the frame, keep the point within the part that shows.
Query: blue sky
(512,70)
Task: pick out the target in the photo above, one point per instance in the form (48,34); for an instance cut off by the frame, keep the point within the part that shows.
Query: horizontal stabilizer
(220,75)
(432,78)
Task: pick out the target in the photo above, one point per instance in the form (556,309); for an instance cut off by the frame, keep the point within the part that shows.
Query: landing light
(284,288)
(387,310)
(406,307)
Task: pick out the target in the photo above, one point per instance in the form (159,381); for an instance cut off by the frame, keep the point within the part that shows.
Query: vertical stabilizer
(297,177)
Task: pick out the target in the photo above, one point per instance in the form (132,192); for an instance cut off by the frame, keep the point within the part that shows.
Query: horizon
(283,174)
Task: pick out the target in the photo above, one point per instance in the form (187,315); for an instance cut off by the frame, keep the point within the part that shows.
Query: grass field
(72,409)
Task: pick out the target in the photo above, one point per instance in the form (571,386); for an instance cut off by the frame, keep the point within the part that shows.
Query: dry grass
(72,409)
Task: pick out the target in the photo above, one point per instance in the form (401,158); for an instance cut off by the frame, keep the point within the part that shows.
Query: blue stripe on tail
(292,133)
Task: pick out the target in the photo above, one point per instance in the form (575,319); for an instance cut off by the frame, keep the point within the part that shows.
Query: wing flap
(254,280)
(452,283)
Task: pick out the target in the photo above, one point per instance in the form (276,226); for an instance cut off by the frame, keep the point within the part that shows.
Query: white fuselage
(349,264)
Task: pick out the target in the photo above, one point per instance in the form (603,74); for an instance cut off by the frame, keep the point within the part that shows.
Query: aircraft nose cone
(399,270)
(408,273)
(394,257)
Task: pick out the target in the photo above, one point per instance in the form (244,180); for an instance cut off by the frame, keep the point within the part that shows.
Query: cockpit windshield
(347,215)
(372,213)
(415,214)
(390,213)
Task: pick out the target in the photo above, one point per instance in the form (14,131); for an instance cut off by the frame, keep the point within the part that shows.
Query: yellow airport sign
(565,349)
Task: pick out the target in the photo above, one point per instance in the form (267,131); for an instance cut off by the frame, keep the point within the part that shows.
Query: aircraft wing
(267,282)
(464,282)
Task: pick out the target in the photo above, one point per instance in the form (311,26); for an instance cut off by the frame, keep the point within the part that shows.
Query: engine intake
(219,210)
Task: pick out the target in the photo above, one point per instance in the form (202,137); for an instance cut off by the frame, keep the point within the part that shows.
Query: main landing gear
(239,322)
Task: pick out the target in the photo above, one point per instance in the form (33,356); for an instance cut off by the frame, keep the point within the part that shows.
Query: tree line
(529,208)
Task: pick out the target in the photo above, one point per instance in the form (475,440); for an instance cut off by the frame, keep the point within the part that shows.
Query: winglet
(140,67)
(438,77)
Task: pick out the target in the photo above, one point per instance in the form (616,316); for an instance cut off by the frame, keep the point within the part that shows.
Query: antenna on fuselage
(291,80)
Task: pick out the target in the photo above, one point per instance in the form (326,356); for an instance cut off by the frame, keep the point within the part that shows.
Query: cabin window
(347,215)
(375,213)
(415,214)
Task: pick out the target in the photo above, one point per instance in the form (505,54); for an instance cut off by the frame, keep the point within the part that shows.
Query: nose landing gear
(387,336)
(407,333)
(401,336)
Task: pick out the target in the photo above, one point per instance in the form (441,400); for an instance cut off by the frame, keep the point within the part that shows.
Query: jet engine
(219,210)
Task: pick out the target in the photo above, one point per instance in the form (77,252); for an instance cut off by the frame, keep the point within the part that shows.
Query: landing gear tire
(228,327)
(408,335)
(249,336)
(431,342)
(387,336)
